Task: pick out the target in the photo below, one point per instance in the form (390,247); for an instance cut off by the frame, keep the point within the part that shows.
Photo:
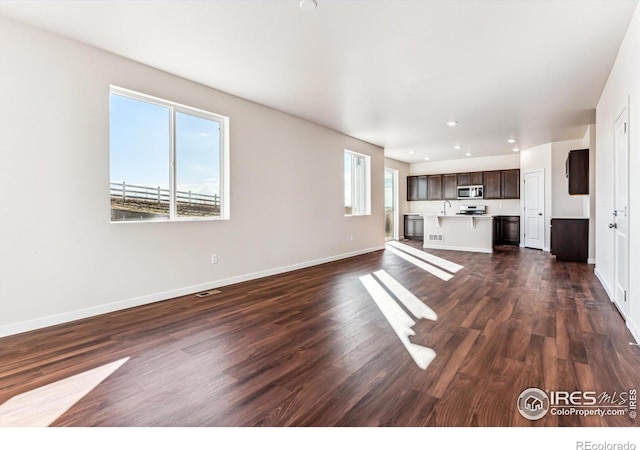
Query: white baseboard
(42,322)
(546,249)
(631,326)
(603,283)
(591,261)
(458,249)
(634,329)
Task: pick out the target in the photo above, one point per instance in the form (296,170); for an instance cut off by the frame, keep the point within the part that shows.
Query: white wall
(622,86)
(494,207)
(563,204)
(403,205)
(531,159)
(589,207)
(61,258)
(501,162)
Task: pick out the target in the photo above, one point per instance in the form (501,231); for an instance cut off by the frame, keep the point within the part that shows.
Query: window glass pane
(389,207)
(348,196)
(139,141)
(359,186)
(197,166)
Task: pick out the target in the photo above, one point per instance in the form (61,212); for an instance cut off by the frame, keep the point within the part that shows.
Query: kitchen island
(467,233)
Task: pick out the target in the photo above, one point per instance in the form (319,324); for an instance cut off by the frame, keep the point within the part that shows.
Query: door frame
(545,244)
(396,205)
(623,111)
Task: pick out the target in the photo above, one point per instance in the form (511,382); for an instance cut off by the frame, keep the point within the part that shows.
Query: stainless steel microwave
(470,192)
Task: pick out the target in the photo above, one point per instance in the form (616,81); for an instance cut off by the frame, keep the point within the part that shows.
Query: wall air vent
(435,237)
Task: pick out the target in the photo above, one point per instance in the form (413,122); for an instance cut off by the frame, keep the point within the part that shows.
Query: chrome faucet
(444,207)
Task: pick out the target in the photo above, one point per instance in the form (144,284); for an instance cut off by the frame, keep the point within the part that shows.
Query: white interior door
(534,209)
(620,222)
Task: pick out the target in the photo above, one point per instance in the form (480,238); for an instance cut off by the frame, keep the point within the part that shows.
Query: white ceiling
(387,72)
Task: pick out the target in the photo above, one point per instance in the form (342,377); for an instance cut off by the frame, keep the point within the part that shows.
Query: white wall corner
(603,283)
(634,329)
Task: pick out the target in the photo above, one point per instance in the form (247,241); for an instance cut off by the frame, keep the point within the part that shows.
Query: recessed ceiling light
(516,149)
(308,5)
(467,154)
(426,158)
(452,123)
(411,152)
(511,141)
(457,146)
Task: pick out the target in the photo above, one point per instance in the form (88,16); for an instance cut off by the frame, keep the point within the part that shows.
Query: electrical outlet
(214,258)
(351,238)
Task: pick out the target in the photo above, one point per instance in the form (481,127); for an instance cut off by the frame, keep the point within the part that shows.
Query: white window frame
(360,183)
(174,108)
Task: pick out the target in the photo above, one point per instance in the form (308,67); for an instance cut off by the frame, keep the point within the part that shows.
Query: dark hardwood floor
(311,348)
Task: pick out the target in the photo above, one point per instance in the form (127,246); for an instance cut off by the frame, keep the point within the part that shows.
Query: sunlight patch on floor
(399,320)
(40,407)
(441,262)
(433,270)
(406,297)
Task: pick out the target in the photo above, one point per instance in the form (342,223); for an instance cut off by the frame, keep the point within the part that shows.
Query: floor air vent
(435,237)
(207,293)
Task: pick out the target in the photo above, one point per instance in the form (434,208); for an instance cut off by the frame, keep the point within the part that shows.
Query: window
(357,184)
(169,162)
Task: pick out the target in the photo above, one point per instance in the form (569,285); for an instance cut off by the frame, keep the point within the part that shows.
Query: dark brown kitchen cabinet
(464,179)
(470,179)
(434,187)
(498,184)
(450,186)
(510,184)
(413,227)
(492,185)
(417,188)
(577,171)
(476,179)
(506,230)
(570,239)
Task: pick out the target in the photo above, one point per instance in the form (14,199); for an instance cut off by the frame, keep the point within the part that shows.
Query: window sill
(179,220)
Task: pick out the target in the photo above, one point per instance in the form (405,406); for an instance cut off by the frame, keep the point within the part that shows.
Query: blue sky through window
(140,151)
(197,154)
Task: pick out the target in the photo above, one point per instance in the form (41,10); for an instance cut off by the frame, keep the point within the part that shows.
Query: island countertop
(428,214)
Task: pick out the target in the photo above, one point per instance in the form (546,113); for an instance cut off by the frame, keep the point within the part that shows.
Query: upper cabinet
(417,188)
(498,184)
(492,184)
(464,179)
(577,168)
(470,179)
(435,187)
(510,183)
(476,178)
(450,186)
